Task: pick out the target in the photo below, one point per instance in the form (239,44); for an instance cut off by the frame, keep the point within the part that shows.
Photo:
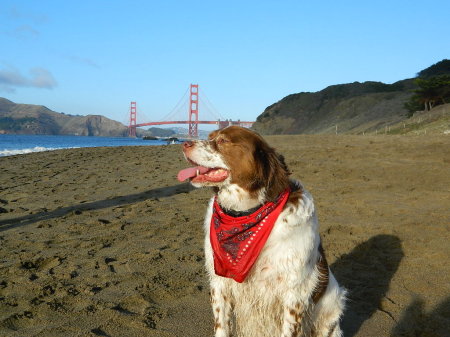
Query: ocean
(21,144)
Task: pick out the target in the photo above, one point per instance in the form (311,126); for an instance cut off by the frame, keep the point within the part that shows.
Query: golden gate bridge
(192,121)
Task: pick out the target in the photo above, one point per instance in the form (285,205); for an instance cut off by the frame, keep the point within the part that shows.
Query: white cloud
(82,60)
(11,78)
(24,32)
(18,14)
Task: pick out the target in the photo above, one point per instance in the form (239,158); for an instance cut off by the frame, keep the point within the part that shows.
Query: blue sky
(94,57)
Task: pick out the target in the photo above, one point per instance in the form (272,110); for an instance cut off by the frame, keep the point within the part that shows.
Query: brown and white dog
(283,287)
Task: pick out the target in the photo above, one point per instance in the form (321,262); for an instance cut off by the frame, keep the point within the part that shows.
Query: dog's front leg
(293,313)
(221,306)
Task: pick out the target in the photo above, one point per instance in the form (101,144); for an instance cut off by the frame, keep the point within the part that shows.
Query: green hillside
(347,108)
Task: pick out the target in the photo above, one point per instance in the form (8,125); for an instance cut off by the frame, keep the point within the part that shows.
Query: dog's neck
(235,198)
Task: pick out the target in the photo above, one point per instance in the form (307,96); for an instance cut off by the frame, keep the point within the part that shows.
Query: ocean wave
(4,153)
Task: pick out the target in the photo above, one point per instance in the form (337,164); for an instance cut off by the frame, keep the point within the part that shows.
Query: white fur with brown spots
(290,291)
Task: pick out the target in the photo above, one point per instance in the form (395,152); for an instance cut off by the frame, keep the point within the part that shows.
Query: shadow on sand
(95,205)
(416,322)
(366,273)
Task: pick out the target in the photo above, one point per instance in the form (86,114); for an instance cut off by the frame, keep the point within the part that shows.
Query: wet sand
(106,242)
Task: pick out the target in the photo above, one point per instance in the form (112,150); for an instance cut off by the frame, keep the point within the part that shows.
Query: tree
(437,69)
(431,92)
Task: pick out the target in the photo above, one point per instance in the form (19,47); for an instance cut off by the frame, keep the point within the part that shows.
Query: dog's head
(236,155)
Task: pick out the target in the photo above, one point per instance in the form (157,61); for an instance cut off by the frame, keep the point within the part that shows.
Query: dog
(267,270)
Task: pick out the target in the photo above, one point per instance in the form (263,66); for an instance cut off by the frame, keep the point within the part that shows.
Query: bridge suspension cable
(209,106)
(181,103)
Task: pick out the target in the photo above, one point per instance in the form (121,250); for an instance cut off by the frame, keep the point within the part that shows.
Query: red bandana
(237,241)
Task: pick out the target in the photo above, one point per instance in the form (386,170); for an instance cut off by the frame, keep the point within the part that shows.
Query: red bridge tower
(193,111)
(132,127)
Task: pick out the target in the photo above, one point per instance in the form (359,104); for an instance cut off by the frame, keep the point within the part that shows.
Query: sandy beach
(106,241)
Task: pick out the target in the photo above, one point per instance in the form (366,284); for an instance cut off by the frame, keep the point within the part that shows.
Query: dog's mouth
(202,174)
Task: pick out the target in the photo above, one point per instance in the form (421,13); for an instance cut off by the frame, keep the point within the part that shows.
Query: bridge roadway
(220,123)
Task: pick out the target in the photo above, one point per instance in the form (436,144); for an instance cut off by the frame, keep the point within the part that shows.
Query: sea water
(20,144)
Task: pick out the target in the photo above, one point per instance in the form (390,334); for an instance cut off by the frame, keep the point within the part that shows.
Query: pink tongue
(191,172)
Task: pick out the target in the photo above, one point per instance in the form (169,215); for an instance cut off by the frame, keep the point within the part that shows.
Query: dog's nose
(188,144)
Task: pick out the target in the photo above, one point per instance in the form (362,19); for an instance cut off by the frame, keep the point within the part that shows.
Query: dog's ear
(274,173)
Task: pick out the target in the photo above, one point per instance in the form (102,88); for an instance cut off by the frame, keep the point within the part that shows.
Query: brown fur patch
(322,284)
(296,331)
(296,194)
(212,296)
(297,318)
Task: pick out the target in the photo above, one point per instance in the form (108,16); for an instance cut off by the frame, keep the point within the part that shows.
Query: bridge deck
(196,122)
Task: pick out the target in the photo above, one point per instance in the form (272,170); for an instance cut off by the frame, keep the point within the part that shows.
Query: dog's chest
(289,248)
(286,253)
(285,262)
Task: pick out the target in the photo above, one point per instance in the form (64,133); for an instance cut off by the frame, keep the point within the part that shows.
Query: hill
(38,119)
(435,121)
(344,108)
(184,132)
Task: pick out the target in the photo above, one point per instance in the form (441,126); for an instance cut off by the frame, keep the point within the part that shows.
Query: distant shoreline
(23,144)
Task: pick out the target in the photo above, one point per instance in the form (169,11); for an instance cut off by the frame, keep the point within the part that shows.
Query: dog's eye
(222,141)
